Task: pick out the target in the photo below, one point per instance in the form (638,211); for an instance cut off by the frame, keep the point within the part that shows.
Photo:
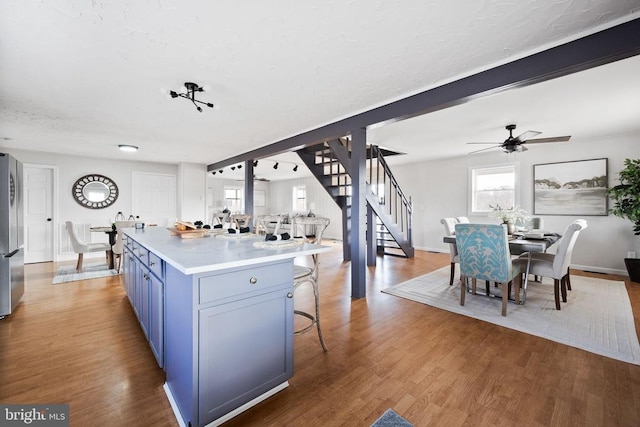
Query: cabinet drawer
(155,265)
(128,242)
(142,253)
(236,283)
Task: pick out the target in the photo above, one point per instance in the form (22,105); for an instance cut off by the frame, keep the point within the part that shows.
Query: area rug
(68,273)
(597,316)
(391,419)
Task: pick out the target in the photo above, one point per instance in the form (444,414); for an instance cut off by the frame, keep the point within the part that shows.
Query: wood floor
(80,343)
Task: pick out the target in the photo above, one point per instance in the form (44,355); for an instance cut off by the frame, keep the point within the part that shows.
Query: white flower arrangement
(511,215)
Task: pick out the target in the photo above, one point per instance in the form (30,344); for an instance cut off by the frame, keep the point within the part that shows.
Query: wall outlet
(631,254)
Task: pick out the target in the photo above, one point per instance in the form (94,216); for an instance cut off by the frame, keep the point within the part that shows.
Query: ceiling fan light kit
(515,144)
(188,91)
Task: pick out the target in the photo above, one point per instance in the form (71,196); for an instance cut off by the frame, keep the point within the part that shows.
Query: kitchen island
(218,314)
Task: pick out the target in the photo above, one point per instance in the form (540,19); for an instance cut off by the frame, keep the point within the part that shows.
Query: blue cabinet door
(156,318)
(246,349)
(143,301)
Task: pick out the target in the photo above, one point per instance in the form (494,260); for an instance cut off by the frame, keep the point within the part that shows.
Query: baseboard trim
(228,416)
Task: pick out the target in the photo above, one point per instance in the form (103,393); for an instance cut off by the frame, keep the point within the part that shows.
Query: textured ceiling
(81,77)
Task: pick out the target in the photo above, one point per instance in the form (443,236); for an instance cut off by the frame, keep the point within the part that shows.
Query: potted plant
(509,216)
(626,198)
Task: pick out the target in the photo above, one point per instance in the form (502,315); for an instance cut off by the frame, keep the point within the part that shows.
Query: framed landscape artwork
(570,188)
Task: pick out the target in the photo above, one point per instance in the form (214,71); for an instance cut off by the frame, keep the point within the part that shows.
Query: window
(299,198)
(234,199)
(493,185)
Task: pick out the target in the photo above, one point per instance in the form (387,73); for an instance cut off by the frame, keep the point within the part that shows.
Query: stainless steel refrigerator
(11,234)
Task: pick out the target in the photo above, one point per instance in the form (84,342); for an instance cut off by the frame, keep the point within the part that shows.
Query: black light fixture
(190,89)
(213,173)
(255,163)
(239,166)
(233,168)
(295,168)
(220,171)
(276,165)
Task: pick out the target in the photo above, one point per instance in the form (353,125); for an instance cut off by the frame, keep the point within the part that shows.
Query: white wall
(69,168)
(192,190)
(439,189)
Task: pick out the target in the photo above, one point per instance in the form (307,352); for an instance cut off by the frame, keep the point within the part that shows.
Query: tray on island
(189,233)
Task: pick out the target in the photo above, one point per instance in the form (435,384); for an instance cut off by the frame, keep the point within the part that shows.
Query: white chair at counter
(81,247)
(117,248)
(311,230)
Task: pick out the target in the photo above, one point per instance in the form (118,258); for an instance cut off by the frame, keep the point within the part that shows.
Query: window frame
(471,192)
(239,196)
(294,198)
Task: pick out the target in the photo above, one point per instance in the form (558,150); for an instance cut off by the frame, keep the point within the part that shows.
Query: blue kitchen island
(218,314)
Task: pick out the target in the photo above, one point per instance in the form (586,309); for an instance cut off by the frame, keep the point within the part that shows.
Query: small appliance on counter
(11,234)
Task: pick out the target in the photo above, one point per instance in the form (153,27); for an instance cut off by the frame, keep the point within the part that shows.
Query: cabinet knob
(253,280)
(145,276)
(290,295)
(151,263)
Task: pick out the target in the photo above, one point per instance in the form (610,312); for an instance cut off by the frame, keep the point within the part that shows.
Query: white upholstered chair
(81,247)
(311,229)
(117,248)
(450,230)
(557,266)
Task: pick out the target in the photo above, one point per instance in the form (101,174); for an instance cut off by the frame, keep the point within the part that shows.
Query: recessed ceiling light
(129,148)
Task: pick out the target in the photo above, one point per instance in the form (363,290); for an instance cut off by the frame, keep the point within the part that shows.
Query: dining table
(112,241)
(519,245)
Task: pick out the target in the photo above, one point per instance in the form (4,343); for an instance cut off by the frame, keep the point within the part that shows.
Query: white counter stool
(269,224)
(240,220)
(311,230)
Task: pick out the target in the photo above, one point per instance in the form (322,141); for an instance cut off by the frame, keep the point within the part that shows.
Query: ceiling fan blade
(526,135)
(484,143)
(550,139)
(484,149)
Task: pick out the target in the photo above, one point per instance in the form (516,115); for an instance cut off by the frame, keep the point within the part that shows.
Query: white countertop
(214,252)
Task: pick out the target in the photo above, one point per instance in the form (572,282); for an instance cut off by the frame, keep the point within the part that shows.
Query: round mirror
(95,191)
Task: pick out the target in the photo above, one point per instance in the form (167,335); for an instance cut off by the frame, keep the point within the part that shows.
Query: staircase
(330,163)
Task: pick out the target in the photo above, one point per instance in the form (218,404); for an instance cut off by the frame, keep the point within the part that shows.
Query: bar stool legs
(315,318)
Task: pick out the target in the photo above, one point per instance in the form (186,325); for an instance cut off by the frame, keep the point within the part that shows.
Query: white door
(154,197)
(38,214)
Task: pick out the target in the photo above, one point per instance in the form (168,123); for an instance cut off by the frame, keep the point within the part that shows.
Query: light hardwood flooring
(80,343)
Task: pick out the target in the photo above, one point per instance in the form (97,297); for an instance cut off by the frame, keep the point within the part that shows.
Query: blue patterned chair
(483,250)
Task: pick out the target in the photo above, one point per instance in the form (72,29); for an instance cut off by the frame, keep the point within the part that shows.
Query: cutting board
(187,234)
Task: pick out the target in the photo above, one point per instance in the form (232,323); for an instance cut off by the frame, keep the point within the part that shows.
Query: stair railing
(388,191)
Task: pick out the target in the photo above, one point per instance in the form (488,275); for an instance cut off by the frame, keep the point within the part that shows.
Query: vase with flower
(509,216)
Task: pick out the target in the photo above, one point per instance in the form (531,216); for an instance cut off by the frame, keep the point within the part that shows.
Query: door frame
(54,203)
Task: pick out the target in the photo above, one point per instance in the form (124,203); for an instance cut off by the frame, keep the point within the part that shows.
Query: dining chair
(220,219)
(483,251)
(311,230)
(270,224)
(117,247)
(240,220)
(556,266)
(450,230)
(534,223)
(80,247)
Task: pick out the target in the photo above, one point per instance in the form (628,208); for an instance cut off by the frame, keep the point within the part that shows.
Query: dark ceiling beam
(613,44)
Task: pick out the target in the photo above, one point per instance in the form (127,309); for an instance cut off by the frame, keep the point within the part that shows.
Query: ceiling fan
(513,144)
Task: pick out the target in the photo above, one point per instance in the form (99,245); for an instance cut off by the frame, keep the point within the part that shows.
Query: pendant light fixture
(188,91)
